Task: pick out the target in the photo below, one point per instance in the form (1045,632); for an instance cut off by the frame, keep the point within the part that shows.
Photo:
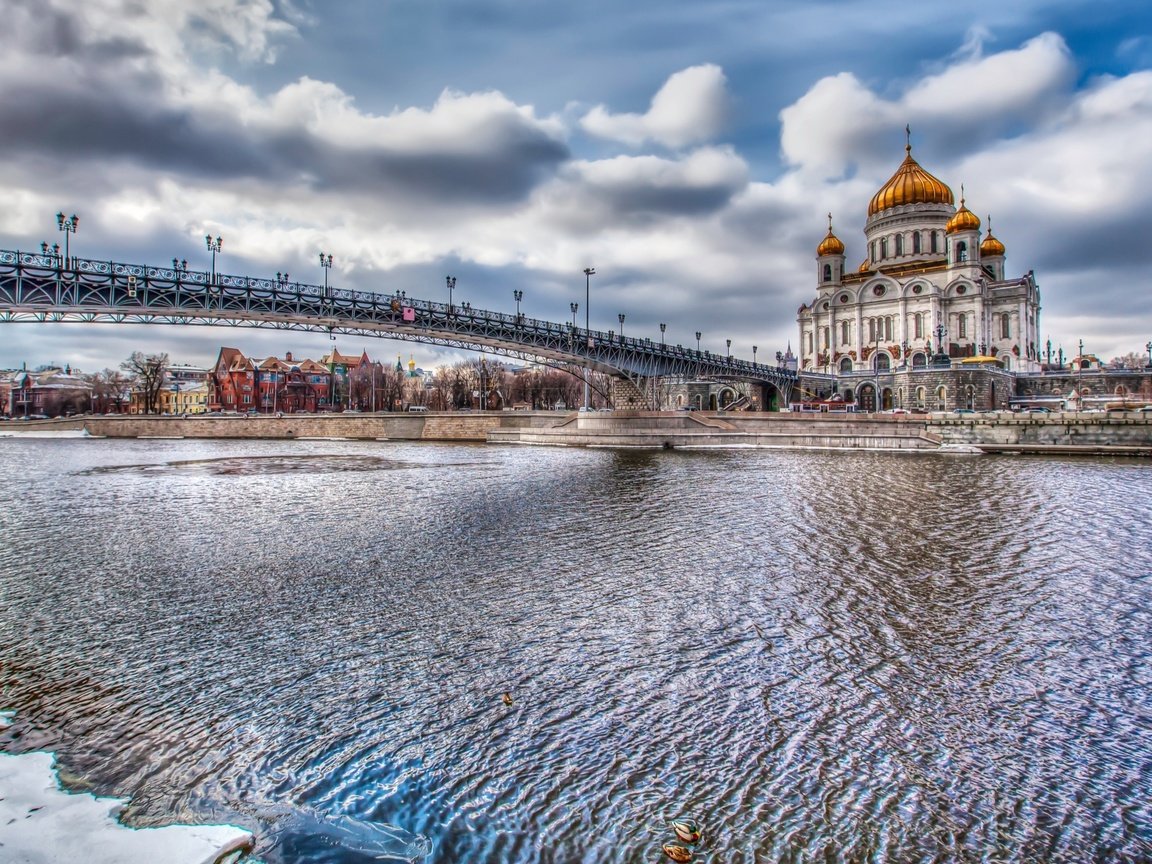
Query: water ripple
(844,657)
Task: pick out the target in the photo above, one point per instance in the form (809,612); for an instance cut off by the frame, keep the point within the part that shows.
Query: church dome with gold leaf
(911,184)
(963,220)
(831,244)
(991,246)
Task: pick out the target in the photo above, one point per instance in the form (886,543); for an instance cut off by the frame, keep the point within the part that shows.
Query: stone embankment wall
(1127,432)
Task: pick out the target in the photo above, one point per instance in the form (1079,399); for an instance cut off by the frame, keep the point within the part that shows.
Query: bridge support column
(629,395)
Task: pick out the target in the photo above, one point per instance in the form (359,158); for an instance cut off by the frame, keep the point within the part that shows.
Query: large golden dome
(963,220)
(911,184)
(831,244)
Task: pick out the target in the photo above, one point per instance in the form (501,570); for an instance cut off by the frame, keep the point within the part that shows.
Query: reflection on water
(842,657)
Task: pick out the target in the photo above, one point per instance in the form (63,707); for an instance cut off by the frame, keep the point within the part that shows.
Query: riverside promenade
(1115,433)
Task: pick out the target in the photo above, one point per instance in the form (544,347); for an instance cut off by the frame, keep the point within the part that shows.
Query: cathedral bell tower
(830,260)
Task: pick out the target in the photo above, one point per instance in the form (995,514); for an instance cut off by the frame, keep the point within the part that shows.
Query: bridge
(43,287)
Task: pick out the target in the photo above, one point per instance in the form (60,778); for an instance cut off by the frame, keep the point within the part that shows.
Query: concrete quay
(1117,433)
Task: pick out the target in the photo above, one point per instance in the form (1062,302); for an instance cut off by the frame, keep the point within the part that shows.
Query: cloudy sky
(689,151)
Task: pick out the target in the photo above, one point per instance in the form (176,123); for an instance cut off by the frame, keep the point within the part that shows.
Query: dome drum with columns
(928,291)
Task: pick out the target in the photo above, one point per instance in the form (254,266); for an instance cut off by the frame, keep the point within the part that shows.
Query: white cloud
(690,108)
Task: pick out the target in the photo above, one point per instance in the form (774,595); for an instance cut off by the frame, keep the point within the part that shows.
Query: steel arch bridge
(42,287)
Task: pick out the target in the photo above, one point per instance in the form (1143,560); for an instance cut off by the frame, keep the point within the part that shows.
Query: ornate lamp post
(663,327)
(729,343)
(589,272)
(697,341)
(68,226)
(451,282)
(326,263)
(519,295)
(53,251)
(213,247)
(753,356)
(1148,348)
(281,279)
(1080,378)
(621,318)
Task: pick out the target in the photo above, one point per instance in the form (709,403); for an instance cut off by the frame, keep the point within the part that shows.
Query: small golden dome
(963,219)
(991,247)
(863,268)
(911,184)
(831,244)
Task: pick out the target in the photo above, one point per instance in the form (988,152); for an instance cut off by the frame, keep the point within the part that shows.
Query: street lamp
(326,263)
(451,282)
(1080,378)
(589,272)
(729,341)
(68,226)
(179,266)
(281,279)
(53,251)
(697,341)
(621,317)
(663,327)
(213,247)
(754,349)
(519,295)
(1148,348)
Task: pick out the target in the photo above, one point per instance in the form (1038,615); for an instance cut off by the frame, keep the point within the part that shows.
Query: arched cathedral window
(932,237)
(915,242)
(1005,327)
(899,244)
(883,247)
(961,251)
(827,272)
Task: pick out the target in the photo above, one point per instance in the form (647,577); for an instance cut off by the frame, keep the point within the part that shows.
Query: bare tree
(1131,360)
(147,371)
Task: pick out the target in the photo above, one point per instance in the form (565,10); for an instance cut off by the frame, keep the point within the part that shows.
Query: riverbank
(1120,433)
(40,823)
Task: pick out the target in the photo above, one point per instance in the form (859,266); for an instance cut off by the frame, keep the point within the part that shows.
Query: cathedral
(932,293)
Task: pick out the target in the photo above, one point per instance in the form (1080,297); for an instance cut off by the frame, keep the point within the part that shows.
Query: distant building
(47,392)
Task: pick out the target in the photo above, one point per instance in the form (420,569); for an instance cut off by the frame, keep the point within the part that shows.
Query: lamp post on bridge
(326,263)
(589,272)
(1148,348)
(519,295)
(698,341)
(754,349)
(451,282)
(663,327)
(68,226)
(621,317)
(213,247)
(729,343)
(52,251)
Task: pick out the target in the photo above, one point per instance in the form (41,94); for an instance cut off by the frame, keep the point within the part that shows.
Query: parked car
(1038,409)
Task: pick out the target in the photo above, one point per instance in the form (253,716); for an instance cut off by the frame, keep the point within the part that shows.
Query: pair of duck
(687,831)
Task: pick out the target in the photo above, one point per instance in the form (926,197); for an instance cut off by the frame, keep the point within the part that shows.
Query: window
(845,333)
(1005,327)
(932,236)
(846,364)
(963,326)
(915,242)
(827,272)
(899,244)
(873,248)
(961,251)
(883,247)
(247,400)
(918,325)
(809,335)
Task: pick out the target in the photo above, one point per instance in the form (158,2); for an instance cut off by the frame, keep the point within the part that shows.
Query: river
(828,656)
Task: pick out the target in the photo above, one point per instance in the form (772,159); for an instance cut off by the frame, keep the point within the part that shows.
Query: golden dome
(991,246)
(831,244)
(863,268)
(963,219)
(911,184)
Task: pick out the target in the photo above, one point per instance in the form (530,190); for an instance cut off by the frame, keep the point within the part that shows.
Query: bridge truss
(38,287)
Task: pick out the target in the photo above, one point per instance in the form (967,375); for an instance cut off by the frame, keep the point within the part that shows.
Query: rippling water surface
(818,656)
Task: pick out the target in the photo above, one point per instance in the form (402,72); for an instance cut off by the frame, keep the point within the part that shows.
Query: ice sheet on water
(377,840)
